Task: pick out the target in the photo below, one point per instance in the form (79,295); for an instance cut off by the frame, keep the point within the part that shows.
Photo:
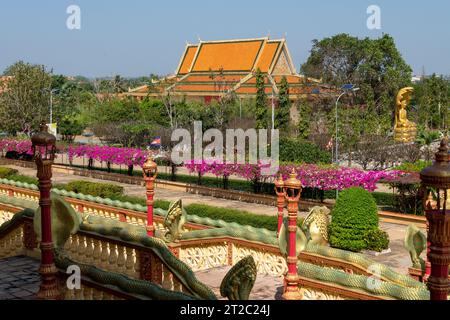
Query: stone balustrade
(11,243)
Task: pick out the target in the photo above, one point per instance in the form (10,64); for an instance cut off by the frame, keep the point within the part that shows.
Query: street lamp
(347,88)
(150,171)
(44,149)
(292,189)
(51,91)
(436,180)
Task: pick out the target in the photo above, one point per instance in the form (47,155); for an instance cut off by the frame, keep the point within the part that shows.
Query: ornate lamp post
(150,170)
(292,190)
(44,149)
(279,184)
(436,179)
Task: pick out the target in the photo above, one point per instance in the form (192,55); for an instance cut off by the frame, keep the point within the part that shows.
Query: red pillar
(279,184)
(150,169)
(44,151)
(150,193)
(292,191)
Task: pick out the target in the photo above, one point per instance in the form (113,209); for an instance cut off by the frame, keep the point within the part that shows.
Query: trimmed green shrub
(377,240)
(300,151)
(5,172)
(22,178)
(384,198)
(353,216)
(104,190)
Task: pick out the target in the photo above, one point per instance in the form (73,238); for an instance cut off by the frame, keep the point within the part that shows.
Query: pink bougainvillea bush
(311,176)
(113,155)
(19,146)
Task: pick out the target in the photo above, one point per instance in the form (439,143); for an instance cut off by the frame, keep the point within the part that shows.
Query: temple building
(211,69)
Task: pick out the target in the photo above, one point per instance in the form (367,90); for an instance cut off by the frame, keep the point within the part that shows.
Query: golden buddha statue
(404,130)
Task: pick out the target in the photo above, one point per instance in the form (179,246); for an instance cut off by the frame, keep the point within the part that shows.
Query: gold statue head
(404,97)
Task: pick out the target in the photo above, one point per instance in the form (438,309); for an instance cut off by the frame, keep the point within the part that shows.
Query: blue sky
(137,37)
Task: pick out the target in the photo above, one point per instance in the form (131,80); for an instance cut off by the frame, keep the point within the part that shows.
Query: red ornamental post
(279,184)
(43,146)
(292,191)
(150,171)
(437,178)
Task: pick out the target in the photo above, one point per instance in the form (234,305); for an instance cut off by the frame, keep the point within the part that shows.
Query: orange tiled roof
(267,56)
(201,87)
(213,78)
(227,56)
(187,59)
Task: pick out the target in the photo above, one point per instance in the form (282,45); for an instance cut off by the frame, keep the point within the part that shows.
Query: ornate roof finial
(442,155)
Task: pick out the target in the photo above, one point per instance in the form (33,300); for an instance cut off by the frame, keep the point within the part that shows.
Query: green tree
(304,122)
(282,114)
(25,103)
(69,128)
(374,65)
(261,101)
(432,99)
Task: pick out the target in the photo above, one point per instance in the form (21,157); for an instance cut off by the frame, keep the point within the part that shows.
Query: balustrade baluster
(82,247)
(18,243)
(97,252)
(176,285)
(88,292)
(167,279)
(79,295)
(129,263)
(97,295)
(70,295)
(89,251)
(104,263)
(121,259)
(112,257)
(74,247)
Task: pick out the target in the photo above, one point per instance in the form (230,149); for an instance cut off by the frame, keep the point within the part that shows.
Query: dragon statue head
(174,221)
(316,224)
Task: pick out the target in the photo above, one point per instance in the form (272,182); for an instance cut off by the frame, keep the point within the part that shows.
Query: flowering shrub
(311,176)
(19,146)
(113,155)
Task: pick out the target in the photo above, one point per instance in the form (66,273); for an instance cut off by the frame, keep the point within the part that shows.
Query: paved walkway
(19,278)
(398,258)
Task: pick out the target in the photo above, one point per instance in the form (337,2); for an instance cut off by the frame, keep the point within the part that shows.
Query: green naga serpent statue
(316,224)
(415,242)
(236,285)
(174,221)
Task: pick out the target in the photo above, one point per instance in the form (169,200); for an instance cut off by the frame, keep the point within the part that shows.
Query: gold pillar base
(292,291)
(49,288)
